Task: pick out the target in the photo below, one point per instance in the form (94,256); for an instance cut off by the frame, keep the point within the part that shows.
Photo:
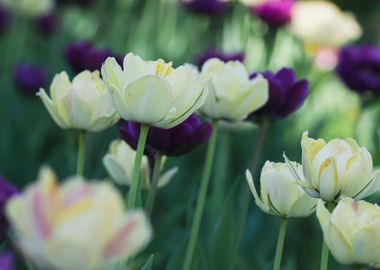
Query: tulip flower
(29,78)
(84,56)
(7,260)
(29,8)
(119,164)
(171,94)
(206,7)
(335,169)
(280,193)
(214,53)
(286,94)
(275,13)
(352,231)
(359,68)
(82,104)
(76,225)
(169,142)
(7,190)
(233,95)
(323,24)
(47,24)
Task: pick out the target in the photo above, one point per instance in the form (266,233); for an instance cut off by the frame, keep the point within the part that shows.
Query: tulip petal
(116,170)
(258,201)
(148,99)
(112,74)
(329,181)
(303,207)
(80,113)
(366,245)
(118,102)
(61,122)
(166,177)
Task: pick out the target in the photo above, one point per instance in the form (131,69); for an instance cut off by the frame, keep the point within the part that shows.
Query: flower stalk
(154,184)
(81,152)
(201,197)
(280,243)
(135,185)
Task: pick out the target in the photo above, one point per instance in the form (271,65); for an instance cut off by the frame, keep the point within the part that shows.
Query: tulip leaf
(149,263)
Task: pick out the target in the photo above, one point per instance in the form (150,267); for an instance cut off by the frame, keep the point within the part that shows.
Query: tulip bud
(275,13)
(82,104)
(280,194)
(337,168)
(233,95)
(153,92)
(76,225)
(29,78)
(352,232)
(119,164)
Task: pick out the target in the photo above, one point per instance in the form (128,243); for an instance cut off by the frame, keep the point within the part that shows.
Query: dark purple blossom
(29,78)
(206,7)
(214,53)
(7,261)
(7,190)
(47,24)
(286,94)
(83,56)
(83,3)
(275,13)
(170,142)
(4,19)
(359,68)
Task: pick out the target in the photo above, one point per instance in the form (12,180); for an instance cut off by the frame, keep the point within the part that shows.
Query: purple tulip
(4,19)
(7,190)
(7,261)
(275,13)
(214,53)
(170,142)
(206,7)
(29,78)
(359,68)
(83,3)
(83,56)
(286,94)
(47,24)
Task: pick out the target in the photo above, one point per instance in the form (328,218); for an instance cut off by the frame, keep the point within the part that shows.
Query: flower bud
(82,104)
(76,225)
(280,193)
(352,232)
(119,164)
(29,78)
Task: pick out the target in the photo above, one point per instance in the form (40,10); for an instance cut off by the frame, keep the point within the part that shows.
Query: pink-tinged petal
(76,196)
(133,235)
(39,215)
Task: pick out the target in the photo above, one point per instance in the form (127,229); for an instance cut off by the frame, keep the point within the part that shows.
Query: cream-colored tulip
(82,104)
(323,24)
(77,225)
(352,232)
(153,92)
(337,168)
(280,194)
(233,95)
(119,163)
(32,8)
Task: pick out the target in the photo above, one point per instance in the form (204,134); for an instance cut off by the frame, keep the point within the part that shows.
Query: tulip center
(163,69)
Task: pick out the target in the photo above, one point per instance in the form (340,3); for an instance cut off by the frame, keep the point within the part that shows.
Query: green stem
(81,152)
(137,167)
(201,197)
(280,244)
(245,193)
(154,184)
(325,250)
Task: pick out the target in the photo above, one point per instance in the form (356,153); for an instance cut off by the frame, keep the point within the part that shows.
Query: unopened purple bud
(29,78)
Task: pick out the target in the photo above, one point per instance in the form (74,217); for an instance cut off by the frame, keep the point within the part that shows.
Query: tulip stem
(280,244)
(132,198)
(246,193)
(201,197)
(81,152)
(154,184)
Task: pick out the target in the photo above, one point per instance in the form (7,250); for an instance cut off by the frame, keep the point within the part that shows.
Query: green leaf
(149,263)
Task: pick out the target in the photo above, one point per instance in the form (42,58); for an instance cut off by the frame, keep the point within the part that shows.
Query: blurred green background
(165,29)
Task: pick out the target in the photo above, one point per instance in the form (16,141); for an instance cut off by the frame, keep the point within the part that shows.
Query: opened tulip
(352,232)
(76,225)
(32,8)
(280,193)
(337,168)
(82,104)
(119,164)
(153,92)
(233,95)
(215,53)
(323,24)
